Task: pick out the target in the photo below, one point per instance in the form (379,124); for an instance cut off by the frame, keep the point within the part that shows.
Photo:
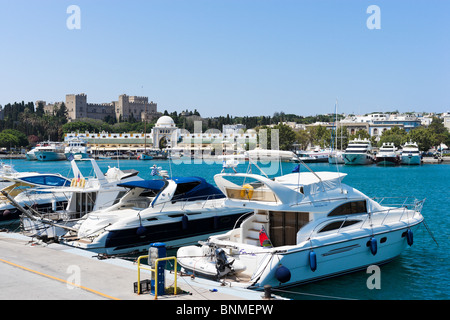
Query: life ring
(247,191)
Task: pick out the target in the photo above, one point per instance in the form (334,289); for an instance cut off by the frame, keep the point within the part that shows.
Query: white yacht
(359,151)
(305,227)
(77,148)
(84,195)
(175,211)
(387,155)
(410,154)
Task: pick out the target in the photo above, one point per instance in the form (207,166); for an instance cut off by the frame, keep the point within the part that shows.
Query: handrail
(156,273)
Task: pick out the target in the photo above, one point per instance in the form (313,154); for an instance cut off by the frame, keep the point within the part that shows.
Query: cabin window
(338,225)
(285,225)
(182,188)
(355,207)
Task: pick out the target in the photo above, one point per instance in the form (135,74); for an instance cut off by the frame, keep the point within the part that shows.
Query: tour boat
(305,227)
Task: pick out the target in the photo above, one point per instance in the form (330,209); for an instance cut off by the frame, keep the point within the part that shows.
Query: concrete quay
(36,271)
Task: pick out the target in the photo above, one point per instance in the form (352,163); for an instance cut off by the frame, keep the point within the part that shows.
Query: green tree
(395,135)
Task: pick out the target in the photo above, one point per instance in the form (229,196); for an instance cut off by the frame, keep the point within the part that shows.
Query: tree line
(23,125)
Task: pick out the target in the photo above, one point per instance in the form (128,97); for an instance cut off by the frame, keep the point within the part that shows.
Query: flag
(70,157)
(264,239)
(78,177)
(296,169)
(154,171)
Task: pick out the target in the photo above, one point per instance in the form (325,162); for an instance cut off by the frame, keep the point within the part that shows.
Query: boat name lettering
(242,252)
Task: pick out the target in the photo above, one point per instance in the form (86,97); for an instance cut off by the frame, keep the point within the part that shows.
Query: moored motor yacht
(359,152)
(305,227)
(83,195)
(410,154)
(175,211)
(387,155)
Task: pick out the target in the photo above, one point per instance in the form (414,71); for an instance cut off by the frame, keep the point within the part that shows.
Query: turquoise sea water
(421,272)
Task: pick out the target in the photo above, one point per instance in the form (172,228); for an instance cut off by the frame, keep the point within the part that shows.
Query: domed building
(165,134)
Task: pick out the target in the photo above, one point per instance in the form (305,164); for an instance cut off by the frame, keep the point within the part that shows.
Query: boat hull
(144,156)
(411,160)
(336,159)
(335,259)
(387,161)
(357,159)
(76,155)
(173,234)
(49,156)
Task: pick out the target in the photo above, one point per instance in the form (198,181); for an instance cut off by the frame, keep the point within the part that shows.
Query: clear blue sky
(242,57)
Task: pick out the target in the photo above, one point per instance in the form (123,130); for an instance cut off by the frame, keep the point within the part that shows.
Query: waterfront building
(165,135)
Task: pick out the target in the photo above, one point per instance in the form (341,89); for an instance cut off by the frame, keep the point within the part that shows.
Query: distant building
(446,118)
(125,108)
(48,107)
(165,135)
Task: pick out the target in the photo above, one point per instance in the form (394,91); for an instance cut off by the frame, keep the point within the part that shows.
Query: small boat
(175,211)
(387,155)
(305,226)
(76,148)
(359,152)
(50,151)
(410,154)
(144,156)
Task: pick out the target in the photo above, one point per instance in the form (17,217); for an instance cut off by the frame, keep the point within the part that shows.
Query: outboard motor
(223,266)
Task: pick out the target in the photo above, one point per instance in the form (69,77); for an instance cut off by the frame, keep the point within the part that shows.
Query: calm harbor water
(421,272)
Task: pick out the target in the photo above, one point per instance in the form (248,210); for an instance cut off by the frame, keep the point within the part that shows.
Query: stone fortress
(124,109)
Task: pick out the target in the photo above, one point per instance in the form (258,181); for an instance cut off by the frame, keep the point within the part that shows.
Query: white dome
(165,121)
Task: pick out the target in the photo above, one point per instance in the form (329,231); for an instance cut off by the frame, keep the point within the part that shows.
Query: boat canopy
(188,188)
(155,185)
